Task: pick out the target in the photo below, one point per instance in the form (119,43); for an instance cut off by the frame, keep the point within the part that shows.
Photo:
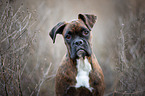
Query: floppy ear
(58,29)
(88,19)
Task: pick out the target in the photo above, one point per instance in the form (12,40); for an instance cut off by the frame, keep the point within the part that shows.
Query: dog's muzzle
(80,48)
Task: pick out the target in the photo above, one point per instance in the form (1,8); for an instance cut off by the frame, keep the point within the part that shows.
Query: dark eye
(68,37)
(85,33)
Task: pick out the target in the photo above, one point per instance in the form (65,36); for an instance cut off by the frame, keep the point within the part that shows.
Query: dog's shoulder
(66,68)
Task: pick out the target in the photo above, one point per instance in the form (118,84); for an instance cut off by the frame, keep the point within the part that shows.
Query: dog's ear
(88,19)
(58,29)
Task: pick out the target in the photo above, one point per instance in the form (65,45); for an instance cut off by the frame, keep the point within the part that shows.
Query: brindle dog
(80,73)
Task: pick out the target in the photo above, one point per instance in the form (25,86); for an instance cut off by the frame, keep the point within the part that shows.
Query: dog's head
(77,35)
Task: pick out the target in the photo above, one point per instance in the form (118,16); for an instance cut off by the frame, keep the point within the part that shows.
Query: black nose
(78,42)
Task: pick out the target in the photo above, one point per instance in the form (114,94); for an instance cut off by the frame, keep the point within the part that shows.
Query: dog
(79,73)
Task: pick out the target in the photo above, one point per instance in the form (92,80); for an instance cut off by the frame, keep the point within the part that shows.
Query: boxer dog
(79,73)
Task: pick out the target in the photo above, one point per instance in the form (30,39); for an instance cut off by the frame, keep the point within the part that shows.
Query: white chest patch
(84,68)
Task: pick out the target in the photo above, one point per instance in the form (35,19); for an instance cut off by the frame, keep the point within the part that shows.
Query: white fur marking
(83,67)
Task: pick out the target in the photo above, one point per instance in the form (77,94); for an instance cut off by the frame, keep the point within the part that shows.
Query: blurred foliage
(131,54)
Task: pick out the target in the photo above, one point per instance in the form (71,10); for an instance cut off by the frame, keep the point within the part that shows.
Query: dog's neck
(83,69)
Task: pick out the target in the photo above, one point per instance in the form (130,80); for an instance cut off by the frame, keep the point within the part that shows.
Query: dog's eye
(85,33)
(68,37)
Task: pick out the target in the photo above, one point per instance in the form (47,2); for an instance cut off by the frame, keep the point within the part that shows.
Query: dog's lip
(81,49)
(80,52)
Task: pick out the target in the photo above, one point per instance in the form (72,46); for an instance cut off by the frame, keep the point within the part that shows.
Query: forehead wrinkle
(74,27)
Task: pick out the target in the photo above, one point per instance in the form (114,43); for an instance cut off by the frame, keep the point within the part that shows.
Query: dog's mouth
(81,52)
(77,52)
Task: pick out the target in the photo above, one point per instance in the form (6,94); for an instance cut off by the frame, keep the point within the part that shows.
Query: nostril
(80,42)
(77,43)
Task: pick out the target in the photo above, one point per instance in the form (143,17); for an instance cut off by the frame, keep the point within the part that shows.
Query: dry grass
(131,48)
(16,47)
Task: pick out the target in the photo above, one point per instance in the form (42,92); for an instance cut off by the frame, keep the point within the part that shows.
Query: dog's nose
(79,42)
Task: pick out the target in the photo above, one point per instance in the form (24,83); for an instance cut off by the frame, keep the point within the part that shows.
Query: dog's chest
(83,70)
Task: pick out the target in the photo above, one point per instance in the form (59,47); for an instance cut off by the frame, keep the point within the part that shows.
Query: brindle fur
(66,79)
(66,75)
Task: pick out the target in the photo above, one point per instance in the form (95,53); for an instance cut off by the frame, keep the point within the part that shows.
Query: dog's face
(77,39)
(77,35)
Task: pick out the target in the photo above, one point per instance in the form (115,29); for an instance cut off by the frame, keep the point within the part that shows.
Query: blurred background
(29,60)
